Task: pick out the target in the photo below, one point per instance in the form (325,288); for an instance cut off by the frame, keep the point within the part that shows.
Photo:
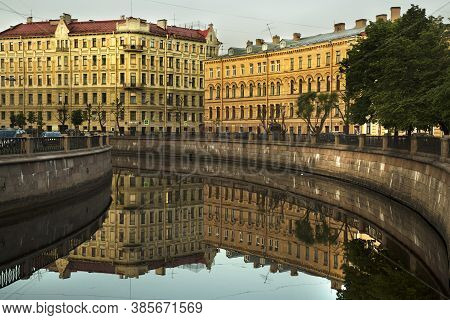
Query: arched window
(233,112)
(292,87)
(210,113)
(242,112)
(227,92)
(338,83)
(272,89)
(300,86)
(218,92)
(227,113)
(250,90)
(264,93)
(278,88)
(211,93)
(259,114)
(318,84)
(328,84)
(291,111)
(233,91)
(259,92)
(217,112)
(309,84)
(242,91)
(250,112)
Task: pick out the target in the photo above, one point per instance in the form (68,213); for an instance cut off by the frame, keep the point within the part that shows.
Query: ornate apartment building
(156,71)
(264,80)
(153,223)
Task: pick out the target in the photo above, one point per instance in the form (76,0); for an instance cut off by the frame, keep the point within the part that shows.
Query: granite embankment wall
(422,183)
(28,181)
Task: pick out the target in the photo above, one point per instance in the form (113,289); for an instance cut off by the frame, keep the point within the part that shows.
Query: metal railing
(326,138)
(430,145)
(399,142)
(373,141)
(30,145)
(10,146)
(40,145)
(348,140)
(76,143)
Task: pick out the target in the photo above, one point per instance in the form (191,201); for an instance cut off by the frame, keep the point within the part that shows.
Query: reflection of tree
(370,273)
(320,234)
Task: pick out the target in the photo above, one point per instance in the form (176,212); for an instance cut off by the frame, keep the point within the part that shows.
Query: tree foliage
(398,75)
(21,121)
(315,109)
(76,117)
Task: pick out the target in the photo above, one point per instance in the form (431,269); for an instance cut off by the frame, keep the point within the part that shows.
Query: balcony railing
(133,47)
(132,86)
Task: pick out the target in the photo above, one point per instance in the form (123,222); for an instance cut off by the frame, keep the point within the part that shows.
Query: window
(292,64)
(309,62)
(328,59)
(338,57)
(318,60)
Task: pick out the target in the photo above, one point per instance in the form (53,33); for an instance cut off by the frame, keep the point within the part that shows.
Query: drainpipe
(331,83)
(222,71)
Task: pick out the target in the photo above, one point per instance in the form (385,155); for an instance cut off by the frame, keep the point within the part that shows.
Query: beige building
(262,81)
(156,71)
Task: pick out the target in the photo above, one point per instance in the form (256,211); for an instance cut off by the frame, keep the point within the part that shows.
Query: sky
(236,21)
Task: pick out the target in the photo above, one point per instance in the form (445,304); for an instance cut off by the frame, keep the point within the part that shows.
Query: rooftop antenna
(174,21)
(270,31)
(131,5)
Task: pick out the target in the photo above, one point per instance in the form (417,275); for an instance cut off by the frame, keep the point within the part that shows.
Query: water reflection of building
(270,228)
(154,223)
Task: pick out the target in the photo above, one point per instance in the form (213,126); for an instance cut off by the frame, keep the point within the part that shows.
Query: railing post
(413,149)
(251,136)
(107,139)
(28,145)
(100,140)
(337,138)
(66,144)
(89,142)
(385,142)
(313,139)
(444,148)
(270,137)
(361,141)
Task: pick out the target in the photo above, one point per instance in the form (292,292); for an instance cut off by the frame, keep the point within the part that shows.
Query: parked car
(8,133)
(51,134)
(7,141)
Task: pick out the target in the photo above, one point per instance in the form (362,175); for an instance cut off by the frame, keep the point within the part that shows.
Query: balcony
(132,86)
(133,48)
(62,49)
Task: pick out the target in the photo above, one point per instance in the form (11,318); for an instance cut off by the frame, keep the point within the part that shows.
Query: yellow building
(264,80)
(155,70)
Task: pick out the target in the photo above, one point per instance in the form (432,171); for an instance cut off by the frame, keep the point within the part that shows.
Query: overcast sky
(235,20)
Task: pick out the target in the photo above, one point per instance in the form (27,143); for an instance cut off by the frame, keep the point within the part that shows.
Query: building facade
(149,77)
(262,81)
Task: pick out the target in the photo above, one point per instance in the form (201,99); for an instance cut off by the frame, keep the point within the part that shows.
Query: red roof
(48,28)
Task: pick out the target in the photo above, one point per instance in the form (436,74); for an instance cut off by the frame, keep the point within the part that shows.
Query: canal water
(215,231)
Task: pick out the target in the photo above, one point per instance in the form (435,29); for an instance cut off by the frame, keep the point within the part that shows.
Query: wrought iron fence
(303,138)
(95,141)
(76,143)
(326,138)
(9,146)
(349,139)
(399,142)
(373,141)
(430,145)
(40,145)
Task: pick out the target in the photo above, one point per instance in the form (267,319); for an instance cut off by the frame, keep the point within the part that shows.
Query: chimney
(296,36)
(395,13)
(259,42)
(338,27)
(30,20)
(122,17)
(276,39)
(381,17)
(249,43)
(361,23)
(162,23)
(67,18)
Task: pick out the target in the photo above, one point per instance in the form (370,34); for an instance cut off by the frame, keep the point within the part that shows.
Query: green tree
(63,116)
(396,75)
(76,118)
(101,117)
(40,121)
(31,118)
(88,115)
(118,111)
(21,121)
(315,108)
(13,120)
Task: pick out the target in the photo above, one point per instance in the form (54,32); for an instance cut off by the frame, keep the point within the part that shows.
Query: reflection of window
(307,253)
